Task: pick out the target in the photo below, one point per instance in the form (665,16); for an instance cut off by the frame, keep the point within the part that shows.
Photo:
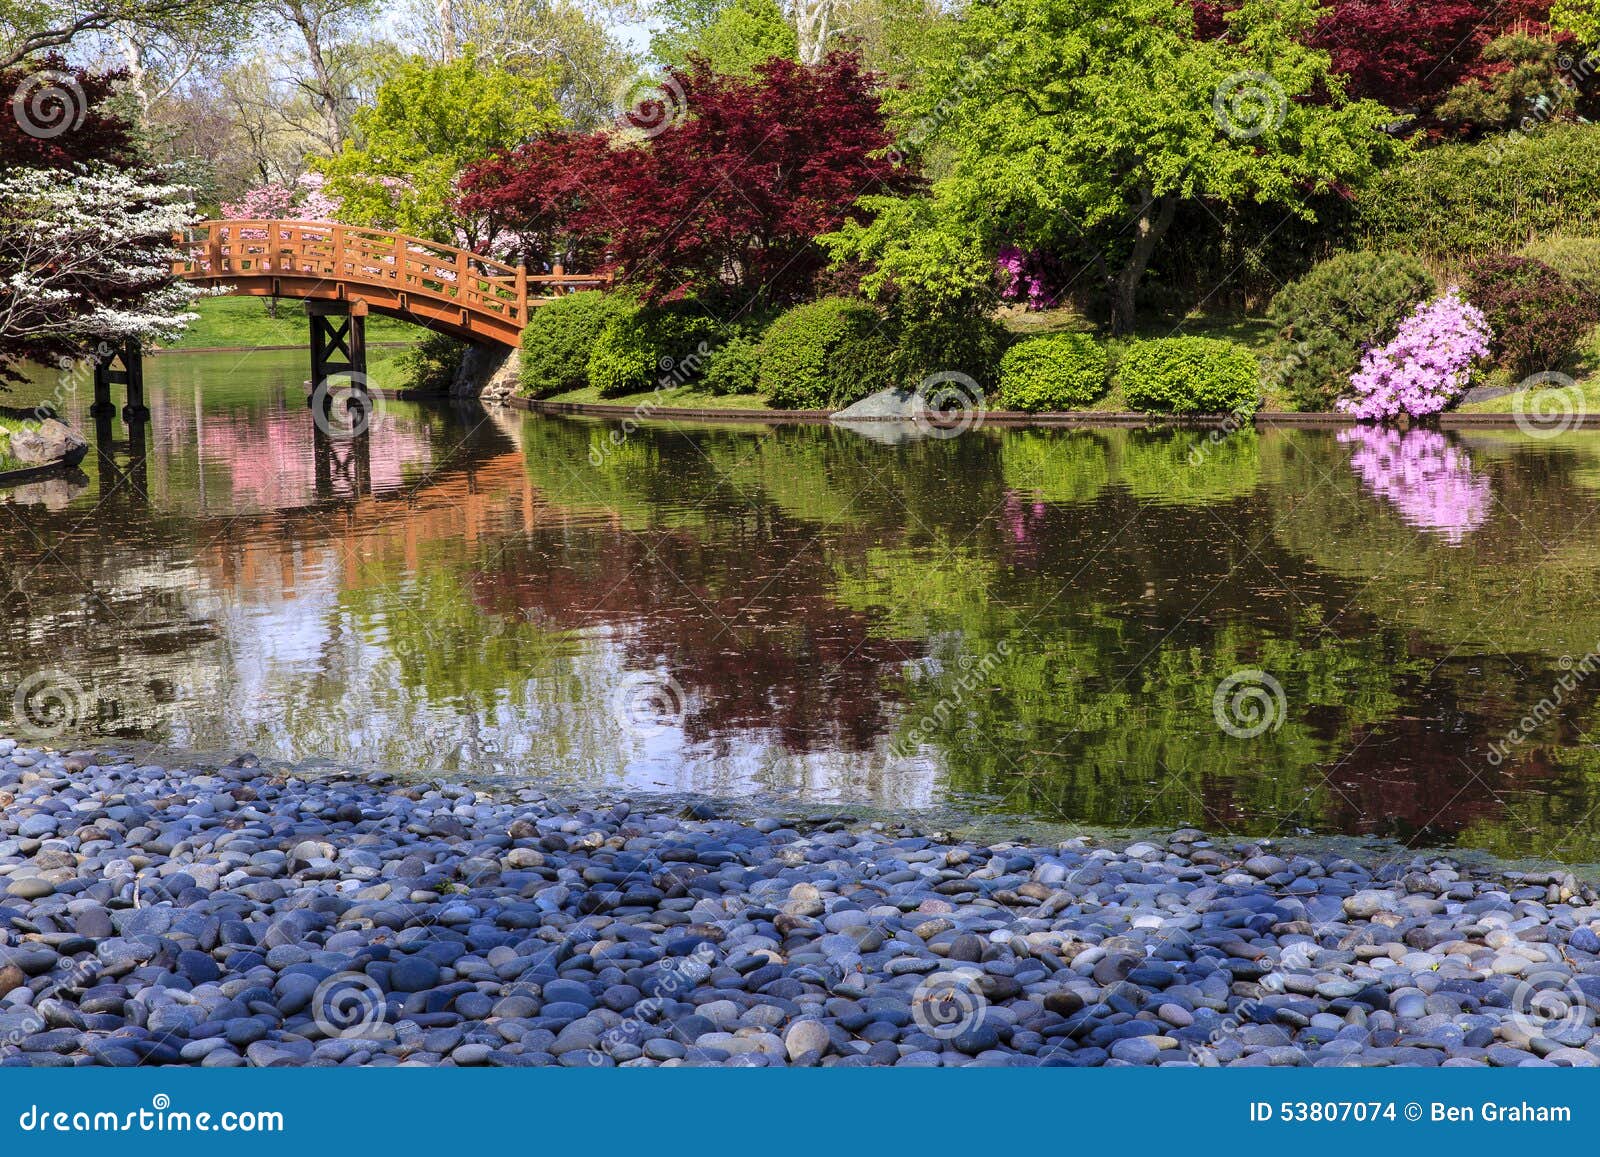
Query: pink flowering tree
(1427,364)
(305,200)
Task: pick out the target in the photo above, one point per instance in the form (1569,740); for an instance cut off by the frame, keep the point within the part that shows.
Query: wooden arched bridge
(343,272)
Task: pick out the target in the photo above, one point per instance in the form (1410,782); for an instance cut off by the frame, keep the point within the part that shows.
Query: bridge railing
(323,251)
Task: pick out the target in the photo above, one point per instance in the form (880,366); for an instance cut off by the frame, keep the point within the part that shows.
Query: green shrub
(825,355)
(559,336)
(1190,375)
(1330,315)
(1537,315)
(1061,372)
(1575,258)
(1455,201)
(430,365)
(647,347)
(735,366)
(960,342)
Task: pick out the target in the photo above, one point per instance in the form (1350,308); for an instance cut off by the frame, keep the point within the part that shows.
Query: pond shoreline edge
(1007,418)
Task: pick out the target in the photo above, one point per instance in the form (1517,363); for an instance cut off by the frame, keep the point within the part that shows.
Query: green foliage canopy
(428,122)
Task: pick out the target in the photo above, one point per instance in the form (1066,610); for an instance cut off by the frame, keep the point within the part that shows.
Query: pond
(1358,632)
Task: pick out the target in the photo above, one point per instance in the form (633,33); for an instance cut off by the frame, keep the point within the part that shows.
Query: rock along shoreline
(232,916)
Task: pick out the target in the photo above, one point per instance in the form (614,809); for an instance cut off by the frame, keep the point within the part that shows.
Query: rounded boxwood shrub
(1327,318)
(559,336)
(653,346)
(1190,375)
(1537,315)
(735,366)
(824,355)
(1061,372)
(962,341)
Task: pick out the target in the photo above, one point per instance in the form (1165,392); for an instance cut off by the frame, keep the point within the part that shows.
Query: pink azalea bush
(1028,275)
(1426,365)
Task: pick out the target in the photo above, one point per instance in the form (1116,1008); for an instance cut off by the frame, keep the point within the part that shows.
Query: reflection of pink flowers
(1426,365)
(1427,478)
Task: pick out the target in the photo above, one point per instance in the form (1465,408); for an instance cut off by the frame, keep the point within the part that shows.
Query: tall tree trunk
(813,23)
(1155,218)
(138,74)
(324,88)
(447,30)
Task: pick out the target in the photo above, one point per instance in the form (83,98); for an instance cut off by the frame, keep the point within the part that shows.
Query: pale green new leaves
(428,123)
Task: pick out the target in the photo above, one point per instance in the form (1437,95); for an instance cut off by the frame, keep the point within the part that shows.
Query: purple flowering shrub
(1029,275)
(1426,365)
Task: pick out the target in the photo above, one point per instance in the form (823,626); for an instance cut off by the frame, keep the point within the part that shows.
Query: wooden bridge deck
(441,287)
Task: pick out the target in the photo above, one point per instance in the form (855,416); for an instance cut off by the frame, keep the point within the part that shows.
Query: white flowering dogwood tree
(86,259)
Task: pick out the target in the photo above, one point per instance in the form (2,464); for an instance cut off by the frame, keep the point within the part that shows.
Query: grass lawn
(243,323)
(7,427)
(1584,369)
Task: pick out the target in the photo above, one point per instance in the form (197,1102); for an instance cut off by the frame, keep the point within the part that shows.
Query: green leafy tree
(1579,19)
(744,34)
(1083,125)
(428,123)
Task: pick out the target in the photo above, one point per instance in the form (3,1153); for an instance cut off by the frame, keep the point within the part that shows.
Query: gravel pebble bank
(234,917)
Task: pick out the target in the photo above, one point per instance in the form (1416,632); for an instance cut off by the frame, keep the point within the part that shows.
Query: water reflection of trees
(817,596)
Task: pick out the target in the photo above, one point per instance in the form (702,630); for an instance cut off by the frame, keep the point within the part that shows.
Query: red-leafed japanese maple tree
(1404,53)
(728,197)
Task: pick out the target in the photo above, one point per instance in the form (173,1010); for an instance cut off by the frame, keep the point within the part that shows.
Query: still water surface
(1021,622)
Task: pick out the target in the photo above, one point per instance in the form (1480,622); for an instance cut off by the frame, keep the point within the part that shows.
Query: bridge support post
(338,343)
(121,365)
